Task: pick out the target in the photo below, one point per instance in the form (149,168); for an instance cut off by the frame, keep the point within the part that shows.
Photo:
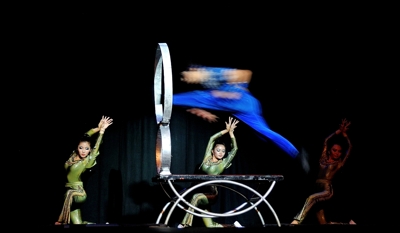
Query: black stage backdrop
(72,64)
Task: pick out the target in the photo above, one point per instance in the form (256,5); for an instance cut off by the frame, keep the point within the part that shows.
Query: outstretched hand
(103,118)
(344,126)
(231,125)
(208,116)
(104,123)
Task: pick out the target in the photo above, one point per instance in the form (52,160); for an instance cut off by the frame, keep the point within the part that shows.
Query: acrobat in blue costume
(246,108)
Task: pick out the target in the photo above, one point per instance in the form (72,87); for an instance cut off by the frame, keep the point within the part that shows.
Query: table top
(191,177)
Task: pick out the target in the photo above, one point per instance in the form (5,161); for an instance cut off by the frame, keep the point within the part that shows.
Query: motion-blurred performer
(226,89)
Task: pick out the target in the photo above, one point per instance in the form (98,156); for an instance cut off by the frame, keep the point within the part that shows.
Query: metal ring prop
(163,90)
(163,107)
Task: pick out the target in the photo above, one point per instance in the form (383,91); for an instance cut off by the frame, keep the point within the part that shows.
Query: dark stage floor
(160,228)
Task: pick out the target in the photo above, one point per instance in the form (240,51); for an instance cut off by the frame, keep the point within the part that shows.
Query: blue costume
(246,108)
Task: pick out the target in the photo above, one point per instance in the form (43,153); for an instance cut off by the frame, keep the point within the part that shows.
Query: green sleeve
(90,133)
(210,144)
(231,154)
(95,151)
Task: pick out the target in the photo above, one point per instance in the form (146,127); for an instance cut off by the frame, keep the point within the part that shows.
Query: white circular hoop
(163,107)
(163,90)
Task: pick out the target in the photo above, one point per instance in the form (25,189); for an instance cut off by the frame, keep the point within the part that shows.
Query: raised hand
(104,123)
(103,119)
(231,124)
(344,126)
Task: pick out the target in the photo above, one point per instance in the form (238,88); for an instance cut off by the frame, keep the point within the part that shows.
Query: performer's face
(219,151)
(336,151)
(83,149)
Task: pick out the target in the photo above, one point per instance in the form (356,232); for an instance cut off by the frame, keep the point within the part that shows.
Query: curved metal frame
(248,201)
(226,214)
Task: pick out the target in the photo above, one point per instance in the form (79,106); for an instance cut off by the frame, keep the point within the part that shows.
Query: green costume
(210,168)
(75,194)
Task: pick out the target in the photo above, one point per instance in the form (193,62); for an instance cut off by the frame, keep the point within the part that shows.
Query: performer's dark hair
(220,142)
(339,140)
(85,138)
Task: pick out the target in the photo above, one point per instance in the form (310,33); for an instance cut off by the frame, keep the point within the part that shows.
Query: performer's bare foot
(295,222)
(183,225)
(352,222)
(57,223)
(204,114)
(333,223)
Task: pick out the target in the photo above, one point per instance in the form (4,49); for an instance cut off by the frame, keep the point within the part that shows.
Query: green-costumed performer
(81,159)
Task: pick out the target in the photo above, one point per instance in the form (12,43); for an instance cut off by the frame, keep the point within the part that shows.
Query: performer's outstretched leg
(258,123)
(247,109)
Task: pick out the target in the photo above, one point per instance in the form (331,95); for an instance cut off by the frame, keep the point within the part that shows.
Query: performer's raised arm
(343,129)
(102,126)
